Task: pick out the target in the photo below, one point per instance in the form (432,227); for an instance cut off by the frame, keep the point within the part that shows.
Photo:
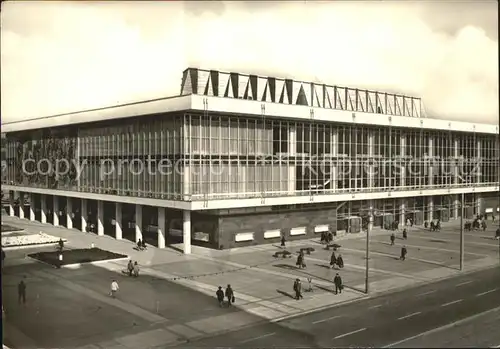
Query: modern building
(237,160)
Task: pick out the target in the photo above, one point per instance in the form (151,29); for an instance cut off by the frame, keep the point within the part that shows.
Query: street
(386,320)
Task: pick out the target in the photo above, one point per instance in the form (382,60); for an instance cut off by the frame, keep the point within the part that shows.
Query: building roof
(201,90)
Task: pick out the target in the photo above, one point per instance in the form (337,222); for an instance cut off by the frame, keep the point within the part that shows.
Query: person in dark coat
(393,238)
(297,287)
(333,259)
(340,261)
(220,296)
(300,260)
(139,245)
(497,234)
(483,225)
(229,295)
(337,280)
(283,240)
(3,256)
(61,244)
(21,292)
(405,234)
(403,253)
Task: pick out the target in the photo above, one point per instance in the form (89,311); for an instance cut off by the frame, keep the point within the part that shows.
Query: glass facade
(206,156)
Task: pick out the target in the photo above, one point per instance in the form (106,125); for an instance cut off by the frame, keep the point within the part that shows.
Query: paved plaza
(174,298)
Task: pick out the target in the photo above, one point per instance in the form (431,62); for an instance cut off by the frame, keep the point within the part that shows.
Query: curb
(19,247)
(69,266)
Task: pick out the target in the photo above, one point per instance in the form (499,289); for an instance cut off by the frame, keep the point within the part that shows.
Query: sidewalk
(262,284)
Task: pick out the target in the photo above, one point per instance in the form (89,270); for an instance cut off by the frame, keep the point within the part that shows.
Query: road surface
(397,319)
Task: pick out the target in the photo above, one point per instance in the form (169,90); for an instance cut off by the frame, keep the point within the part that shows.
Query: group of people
(229,294)
(133,268)
(336,260)
(141,245)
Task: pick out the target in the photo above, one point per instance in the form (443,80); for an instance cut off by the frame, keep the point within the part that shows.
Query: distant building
(236,160)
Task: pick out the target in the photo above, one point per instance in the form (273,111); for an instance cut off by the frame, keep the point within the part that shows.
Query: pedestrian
(297,287)
(483,224)
(3,256)
(114,288)
(300,260)
(61,244)
(21,292)
(136,269)
(139,245)
(405,234)
(497,233)
(283,240)
(323,237)
(130,267)
(229,295)
(220,296)
(333,260)
(403,253)
(337,280)
(340,261)
(393,238)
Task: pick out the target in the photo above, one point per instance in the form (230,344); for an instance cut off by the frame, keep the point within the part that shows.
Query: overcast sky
(61,57)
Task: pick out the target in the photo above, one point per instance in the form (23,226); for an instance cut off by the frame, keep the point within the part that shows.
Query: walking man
(283,240)
(21,292)
(405,234)
(130,267)
(403,253)
(114,288)
(220,296)
(136,269)
(229,295)
(297,287)
(337,280)
(393,238)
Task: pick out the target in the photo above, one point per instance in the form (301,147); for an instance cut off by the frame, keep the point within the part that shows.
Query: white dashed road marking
(450,303)
(482,294)
(426,293)
(409,315)
(349,333)
(375,306)
(259,337)
(463,283)
(328,319)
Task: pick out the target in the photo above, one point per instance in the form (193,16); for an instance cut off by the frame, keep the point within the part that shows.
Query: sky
(59,57)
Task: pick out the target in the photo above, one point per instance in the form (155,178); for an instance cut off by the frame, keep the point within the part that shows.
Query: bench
(282,254)
(307,250)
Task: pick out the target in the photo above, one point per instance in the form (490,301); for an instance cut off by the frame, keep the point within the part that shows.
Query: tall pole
(462,233)
(367,271)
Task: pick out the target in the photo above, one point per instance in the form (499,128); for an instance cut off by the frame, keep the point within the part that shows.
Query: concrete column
(100,217)
(32,207)
(457,161)
(84,215)
(138,222)
(478,205)
(43,208)
(430,208)
(186,228)
(431,161)
(161,227)
(402,209)
(118,221)
(456,206)
(477,168)
(69,213)
(11,203)
(334,153)
(55,213)
(21,205)
(371,156)
(402,170)
(292,153)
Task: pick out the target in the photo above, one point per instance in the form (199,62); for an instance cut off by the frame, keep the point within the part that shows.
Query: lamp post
(462,247)
(367,271)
